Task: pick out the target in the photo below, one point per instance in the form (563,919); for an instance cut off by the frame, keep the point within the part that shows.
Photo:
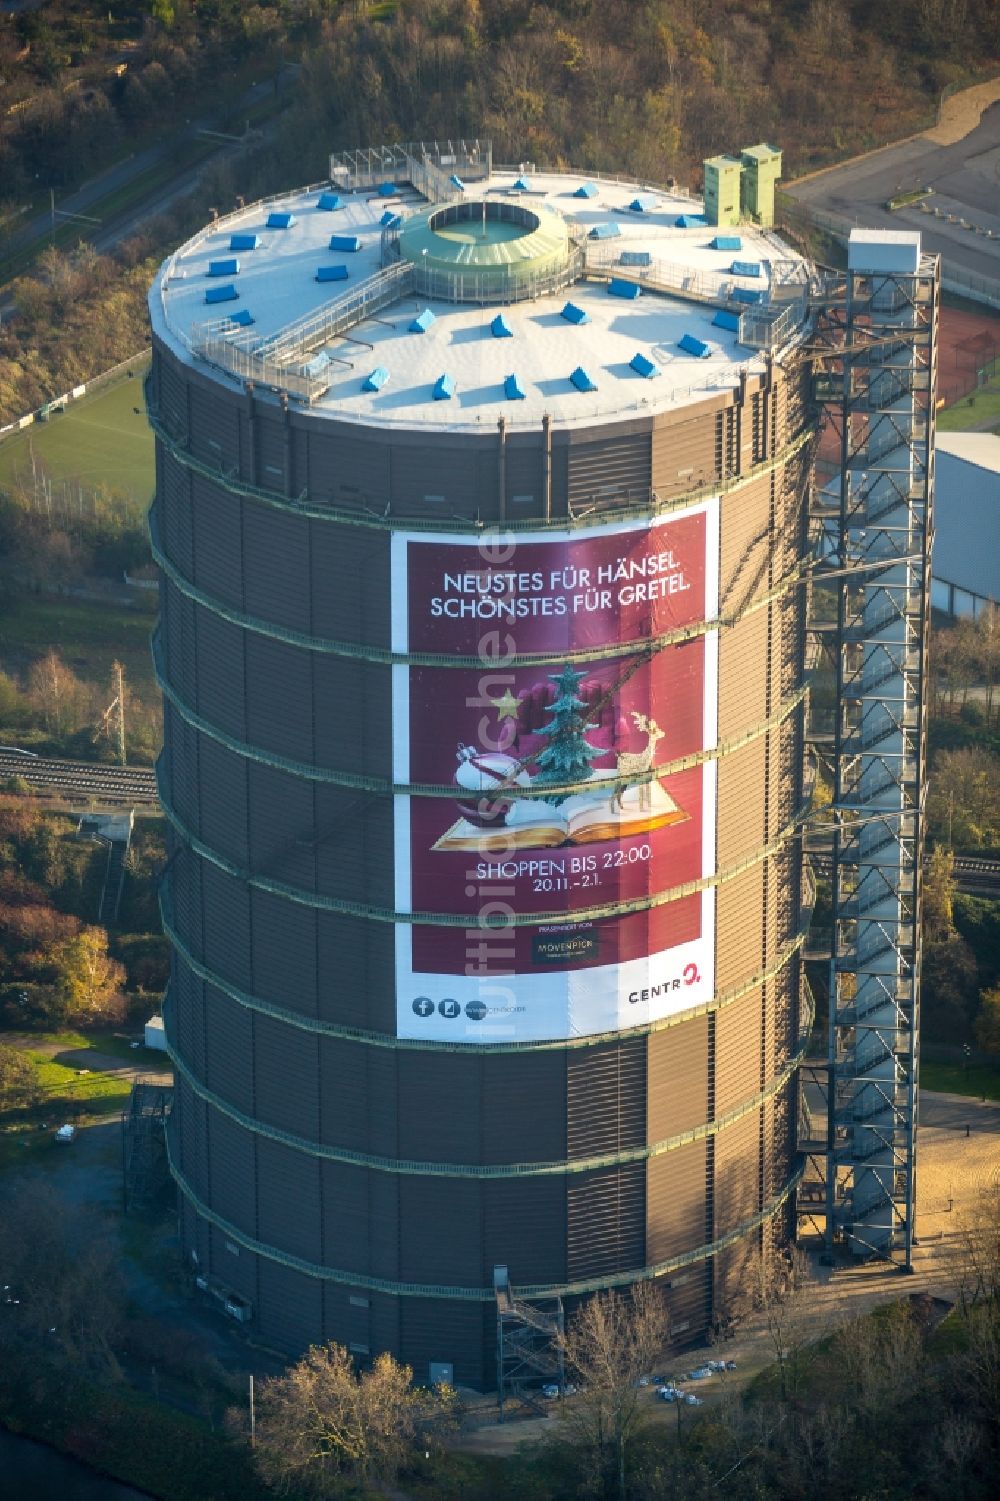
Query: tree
(18,1079)
(64,1268)
(988,1020)
(567,756)
(977,1249)
(90,980)
(939,894)
(323,1423)
(963,806)
(610,1343)
(57,694)
(882,1357)
(950,990)
(776,1289)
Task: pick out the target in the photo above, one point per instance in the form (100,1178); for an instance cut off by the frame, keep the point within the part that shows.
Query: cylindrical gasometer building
(481,648)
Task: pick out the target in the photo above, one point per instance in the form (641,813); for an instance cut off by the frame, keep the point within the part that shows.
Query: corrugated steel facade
(359,1188)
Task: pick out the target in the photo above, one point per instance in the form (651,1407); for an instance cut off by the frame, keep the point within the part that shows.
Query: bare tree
(977,1249)
(323,1422)
(611,1342)
(882,1355)
(776,1290)
(64,1271)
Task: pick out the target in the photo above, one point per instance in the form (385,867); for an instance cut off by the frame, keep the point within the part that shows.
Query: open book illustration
(585,818)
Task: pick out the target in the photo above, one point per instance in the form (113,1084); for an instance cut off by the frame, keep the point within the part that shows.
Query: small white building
(154,1034)
(965,564)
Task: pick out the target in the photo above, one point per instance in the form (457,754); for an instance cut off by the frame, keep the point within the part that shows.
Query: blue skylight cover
(243,242)
(746,294)
(389,220)
(345,242)
(280,219)
(643,366)
(642,205)
(627,289)
(331,273)
(691,345)
(243,318)
(725,319)
(582,380)
(727,242)
(512,389)
(444,389)
(457,182)
(574,314)
(690,221)
(422,322)
(388,190)
(228,293)
(523,185)
(745,268)
(586,190)
(609,230)
(230,266)
(500,328)
(376,380)
(329,201)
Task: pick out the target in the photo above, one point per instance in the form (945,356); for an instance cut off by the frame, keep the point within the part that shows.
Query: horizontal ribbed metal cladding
(274,526)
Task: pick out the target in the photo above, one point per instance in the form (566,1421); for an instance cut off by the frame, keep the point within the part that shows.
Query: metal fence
(373,165)
(294,360)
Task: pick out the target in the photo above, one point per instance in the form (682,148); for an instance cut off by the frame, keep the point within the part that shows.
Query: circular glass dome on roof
(477,246)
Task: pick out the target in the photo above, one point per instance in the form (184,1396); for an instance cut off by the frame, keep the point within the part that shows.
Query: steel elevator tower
(876,553)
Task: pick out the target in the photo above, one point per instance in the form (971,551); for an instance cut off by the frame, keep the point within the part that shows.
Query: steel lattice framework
(874,551)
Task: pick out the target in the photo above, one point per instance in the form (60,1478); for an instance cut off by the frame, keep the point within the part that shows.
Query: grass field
(71,1089)
(88,636)
(99,440)
(978,1081)
(970,410)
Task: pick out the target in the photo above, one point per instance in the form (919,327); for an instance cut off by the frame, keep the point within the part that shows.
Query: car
(693,1401)
(66,1133)
(550,1390)
(700,1373)
(669,1393)
(644,1381)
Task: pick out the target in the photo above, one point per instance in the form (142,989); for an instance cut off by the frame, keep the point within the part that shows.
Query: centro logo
(476,1010)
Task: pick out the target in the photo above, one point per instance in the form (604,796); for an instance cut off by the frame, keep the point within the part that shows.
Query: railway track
(81,781)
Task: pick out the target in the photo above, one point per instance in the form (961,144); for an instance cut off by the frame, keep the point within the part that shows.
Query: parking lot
(957,217)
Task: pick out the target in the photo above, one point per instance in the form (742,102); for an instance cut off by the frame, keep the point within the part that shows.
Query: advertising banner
(547,806)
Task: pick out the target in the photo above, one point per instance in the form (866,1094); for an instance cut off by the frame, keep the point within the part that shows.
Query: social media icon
(476,1010)
(449,1008)
(423,1005)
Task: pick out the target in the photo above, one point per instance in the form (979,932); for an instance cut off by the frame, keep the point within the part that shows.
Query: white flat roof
(981,449)
(276,284)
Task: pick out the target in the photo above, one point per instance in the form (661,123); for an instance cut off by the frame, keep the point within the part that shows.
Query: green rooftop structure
(761,170)
(722,189)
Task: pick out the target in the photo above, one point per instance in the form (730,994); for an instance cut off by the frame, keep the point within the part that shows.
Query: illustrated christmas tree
(567,756)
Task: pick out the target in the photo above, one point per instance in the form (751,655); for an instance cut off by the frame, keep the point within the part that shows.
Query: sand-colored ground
(953,1168)
(962,112)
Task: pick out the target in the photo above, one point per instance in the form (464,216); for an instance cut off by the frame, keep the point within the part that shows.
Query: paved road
(966,182)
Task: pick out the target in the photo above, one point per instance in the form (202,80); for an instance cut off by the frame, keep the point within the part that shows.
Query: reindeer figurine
(630,762)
